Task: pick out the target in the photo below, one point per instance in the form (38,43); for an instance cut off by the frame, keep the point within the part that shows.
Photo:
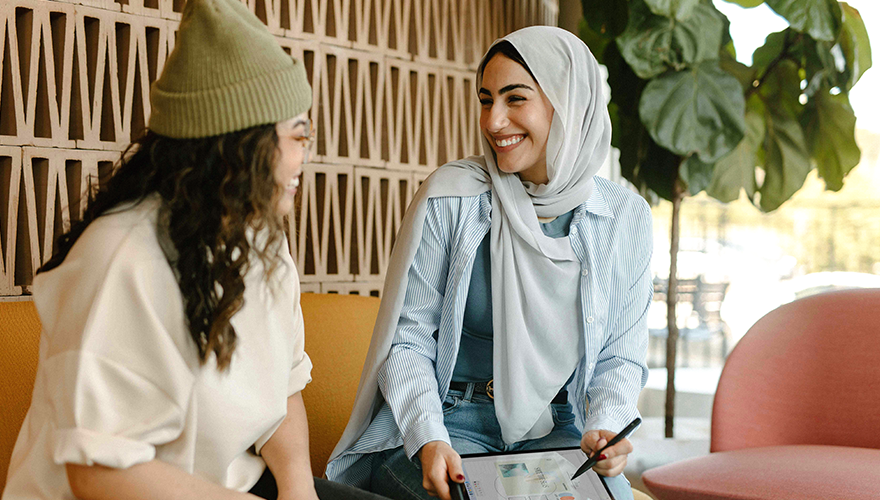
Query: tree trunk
(671,298)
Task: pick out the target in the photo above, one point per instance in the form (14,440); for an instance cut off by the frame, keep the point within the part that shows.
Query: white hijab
(526,265)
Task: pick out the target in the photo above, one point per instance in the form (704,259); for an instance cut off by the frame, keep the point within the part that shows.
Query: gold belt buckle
(490,391)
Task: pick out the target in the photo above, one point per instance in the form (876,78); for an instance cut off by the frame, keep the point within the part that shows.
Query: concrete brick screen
(393,86)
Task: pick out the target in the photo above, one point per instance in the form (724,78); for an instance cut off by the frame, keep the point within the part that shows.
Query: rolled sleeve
(300,375)
(422,433)
(301,365)
(85,447)
(106,414)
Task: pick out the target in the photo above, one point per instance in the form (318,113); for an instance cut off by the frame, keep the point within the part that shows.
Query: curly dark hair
(214,191)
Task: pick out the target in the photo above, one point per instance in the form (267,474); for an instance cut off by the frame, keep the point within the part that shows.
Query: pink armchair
(797,410)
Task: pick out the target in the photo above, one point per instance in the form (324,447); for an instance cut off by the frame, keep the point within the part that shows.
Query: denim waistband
(472,392)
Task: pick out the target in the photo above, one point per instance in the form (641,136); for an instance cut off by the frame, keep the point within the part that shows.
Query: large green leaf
(744,74)
(658,170)
(736,170)
(746,3)
(726,39)
(678,9)
(626,86)
(631,138)
(784,154)
(606,17)
(695,174)
(829,124)
(786,162)
(773,46)
(642,162)
(781,88)
(652,44)
(627,132)
(818,18)
(821,69)
(699,110)
(854,43)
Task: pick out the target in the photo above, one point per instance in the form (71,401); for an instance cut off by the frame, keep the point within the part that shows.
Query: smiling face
(515,119)
(292,143)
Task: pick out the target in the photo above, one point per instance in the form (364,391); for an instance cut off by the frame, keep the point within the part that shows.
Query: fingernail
(602,457)
(459,477)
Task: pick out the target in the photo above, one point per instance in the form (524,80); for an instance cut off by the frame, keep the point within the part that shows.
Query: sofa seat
(794,472)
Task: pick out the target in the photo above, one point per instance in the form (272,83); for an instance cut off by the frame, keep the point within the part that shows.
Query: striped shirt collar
(596,204)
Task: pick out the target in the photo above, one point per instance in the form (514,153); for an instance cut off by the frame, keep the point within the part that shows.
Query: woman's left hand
(616,455)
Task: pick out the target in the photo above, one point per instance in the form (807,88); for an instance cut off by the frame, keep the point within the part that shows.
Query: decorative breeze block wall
(393,88)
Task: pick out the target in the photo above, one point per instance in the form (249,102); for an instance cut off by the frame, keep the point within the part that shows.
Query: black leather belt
(486,389)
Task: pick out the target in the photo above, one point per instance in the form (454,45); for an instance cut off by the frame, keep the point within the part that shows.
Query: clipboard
(528,475)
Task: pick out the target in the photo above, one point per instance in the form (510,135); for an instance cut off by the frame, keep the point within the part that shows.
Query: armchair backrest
(806,373)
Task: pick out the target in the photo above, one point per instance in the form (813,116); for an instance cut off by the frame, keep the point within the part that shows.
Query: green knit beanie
(226,73)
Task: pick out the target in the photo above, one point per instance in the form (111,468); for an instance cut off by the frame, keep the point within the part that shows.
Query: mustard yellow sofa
(338,330)
(19,350)
(338,336)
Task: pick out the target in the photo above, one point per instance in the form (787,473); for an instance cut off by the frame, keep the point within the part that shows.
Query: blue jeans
(473,428)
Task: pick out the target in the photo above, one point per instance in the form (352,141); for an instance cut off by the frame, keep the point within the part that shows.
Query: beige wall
(393,92)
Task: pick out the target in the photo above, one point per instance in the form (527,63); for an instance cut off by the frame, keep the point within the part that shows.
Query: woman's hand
(615,459)
(440,463)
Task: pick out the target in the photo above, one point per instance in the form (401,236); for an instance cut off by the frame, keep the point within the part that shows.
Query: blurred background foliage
(688,118)
(686,112)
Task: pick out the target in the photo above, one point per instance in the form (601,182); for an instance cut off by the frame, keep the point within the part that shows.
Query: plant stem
(671,298)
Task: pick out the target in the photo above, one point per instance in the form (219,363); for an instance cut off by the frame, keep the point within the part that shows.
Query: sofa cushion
(795,472)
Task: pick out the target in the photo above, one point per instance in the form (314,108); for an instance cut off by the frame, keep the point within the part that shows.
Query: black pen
(616,439)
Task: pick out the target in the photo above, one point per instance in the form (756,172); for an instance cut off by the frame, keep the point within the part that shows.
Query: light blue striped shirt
(611,235)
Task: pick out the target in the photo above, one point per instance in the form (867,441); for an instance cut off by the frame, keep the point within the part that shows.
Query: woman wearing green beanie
(171,358)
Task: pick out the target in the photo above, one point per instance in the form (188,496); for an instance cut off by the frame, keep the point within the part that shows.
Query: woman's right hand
(440,464)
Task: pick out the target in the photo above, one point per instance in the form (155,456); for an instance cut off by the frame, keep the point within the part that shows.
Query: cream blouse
(119,380)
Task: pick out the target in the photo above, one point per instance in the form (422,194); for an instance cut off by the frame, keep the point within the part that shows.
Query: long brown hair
(214,191)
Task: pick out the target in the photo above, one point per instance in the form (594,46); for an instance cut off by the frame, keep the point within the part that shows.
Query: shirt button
(584,272)
(574,231)
(591,366)
(589,319)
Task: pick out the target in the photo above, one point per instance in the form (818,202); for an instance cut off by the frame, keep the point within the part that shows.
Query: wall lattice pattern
(393,96)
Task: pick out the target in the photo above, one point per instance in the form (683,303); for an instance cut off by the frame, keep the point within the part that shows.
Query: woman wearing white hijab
(514,307)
